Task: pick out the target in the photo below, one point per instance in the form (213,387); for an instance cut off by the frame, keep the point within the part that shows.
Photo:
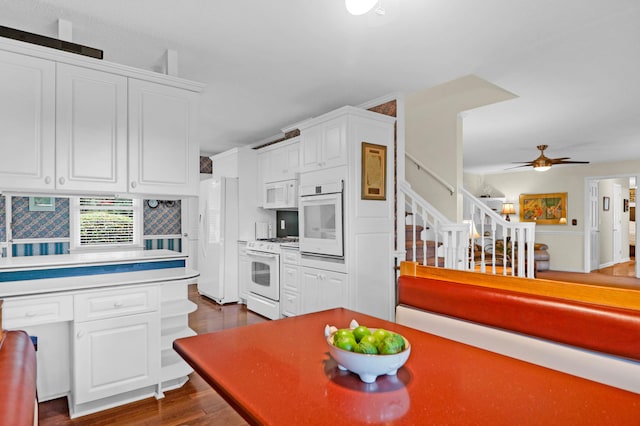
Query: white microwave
(280,195)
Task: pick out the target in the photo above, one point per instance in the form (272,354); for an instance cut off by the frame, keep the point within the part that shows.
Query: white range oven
(264,276)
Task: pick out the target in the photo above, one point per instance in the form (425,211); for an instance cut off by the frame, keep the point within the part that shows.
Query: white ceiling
(574,64)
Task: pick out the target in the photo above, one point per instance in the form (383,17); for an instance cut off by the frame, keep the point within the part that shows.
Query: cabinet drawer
(290,303)
(291,257)
(114,303)
(23,312)
(290,277)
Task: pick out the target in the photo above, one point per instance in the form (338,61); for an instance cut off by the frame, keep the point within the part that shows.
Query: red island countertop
(280,373)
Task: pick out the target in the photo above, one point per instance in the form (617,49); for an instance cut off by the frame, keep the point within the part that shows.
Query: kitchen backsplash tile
(48,224)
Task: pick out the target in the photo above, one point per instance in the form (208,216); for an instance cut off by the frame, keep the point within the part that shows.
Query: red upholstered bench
(590,331)
(606,329)
(17,379)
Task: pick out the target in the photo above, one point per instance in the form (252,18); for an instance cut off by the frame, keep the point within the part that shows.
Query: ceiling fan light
(541,168)
(359,7)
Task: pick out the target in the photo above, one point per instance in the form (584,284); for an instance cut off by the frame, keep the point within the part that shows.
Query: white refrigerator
(218,239)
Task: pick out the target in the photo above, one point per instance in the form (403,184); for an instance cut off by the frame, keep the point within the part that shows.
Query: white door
(164,156)
(91,130)
(27,120)
(616,204)
(594,227)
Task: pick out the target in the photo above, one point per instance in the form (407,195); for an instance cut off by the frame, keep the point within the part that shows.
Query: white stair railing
(497,242)
(485,242)
(434,240)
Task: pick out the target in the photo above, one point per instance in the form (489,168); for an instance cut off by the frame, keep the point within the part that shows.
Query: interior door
(594,227)
(617,223)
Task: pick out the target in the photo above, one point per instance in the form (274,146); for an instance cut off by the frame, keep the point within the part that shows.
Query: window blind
(106,221)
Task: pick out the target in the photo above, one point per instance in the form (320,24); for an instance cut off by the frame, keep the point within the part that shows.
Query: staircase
(429,238)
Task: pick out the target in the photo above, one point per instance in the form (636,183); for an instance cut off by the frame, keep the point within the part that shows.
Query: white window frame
(74,224)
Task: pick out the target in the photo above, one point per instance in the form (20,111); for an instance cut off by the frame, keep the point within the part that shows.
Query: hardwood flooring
(193,404)
(619,275)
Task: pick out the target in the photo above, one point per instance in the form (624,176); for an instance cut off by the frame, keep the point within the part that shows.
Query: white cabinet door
(27,120)
(322,290)
(280,161)
(163,151)
(91,133)
(324,145)
(115,355)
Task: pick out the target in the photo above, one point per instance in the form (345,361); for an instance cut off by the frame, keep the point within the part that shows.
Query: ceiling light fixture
(359,7)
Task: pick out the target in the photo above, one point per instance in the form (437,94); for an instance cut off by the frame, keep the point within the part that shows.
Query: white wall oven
(320,217)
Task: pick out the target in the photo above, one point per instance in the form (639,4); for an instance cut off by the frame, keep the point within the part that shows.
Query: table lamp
(507,209)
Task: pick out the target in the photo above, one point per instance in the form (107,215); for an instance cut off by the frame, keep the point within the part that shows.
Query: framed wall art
(374,171)
(544,209)
(42,204)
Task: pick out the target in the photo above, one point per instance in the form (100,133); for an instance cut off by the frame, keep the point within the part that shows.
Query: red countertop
(280,373)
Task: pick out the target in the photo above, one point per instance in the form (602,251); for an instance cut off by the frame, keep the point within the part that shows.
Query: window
(105,223)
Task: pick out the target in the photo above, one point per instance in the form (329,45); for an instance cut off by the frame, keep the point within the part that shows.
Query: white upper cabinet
(324,146)
(27,120)
(91,133)
(280,161)
(163,153)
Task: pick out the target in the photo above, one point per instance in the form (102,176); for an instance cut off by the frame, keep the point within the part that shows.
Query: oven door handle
(259,254)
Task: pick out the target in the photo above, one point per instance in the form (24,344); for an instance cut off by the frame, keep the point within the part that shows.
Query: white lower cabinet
(115,356)
(46,318)
(108,347)
(322,289)
(244,271)
(290,283)
(116,346)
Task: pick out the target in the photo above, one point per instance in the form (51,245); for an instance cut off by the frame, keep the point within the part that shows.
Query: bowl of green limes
(367,352)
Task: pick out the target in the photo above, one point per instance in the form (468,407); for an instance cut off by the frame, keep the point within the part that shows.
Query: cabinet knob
(47,180)
(80,334)
(118,304)
(61,181)
(133,184)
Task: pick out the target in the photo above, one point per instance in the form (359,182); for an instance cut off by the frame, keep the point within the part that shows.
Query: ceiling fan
(543,163)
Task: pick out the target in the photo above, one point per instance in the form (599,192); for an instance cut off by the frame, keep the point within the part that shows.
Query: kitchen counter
(88,258)
(22,276)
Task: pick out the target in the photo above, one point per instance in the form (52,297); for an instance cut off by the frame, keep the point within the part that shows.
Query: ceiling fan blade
(517,167)
(571,162)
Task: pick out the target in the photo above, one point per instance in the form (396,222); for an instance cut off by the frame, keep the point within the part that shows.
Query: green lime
(343,332)
(381,334)
(370,338)
(390,346)
(366,348)
(399,340)
(345,342)
(360,331)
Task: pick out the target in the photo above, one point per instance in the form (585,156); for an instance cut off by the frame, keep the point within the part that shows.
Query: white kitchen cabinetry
(244,271)
(174,317)
(91,130)
(163,153)
(322,289)
(289,282)
(65,118)
(324,145)
(280,161)
(331,147)
(47,318)
(116,343)
(27,120)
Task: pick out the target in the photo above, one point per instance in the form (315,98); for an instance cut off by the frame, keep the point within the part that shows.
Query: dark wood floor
(193,404)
